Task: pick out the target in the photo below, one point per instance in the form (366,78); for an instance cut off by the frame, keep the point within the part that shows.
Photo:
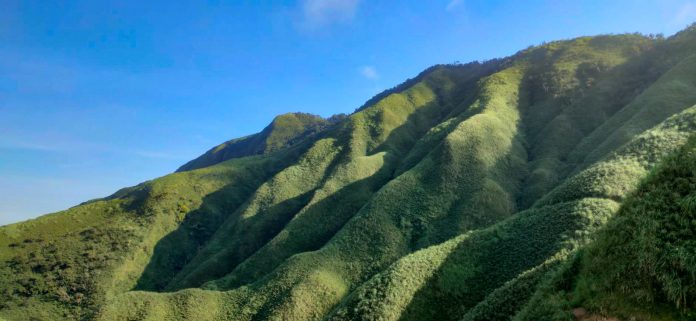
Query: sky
(99,95)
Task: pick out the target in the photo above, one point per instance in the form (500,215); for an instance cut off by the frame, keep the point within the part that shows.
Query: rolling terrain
(555,184)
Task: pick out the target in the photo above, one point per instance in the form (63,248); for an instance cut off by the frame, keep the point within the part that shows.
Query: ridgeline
(555,184)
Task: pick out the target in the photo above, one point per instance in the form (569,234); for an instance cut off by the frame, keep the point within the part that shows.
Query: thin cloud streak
(685,15)
(159,155)
(18,145)
(323,13)
(58,145)
(73,146)
(453,5)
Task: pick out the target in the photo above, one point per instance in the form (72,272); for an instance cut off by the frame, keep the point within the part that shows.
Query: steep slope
(460,194)
(641,265)
(65,265)
(480,271)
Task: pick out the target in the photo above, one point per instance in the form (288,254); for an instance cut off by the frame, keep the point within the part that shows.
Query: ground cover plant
(554,184)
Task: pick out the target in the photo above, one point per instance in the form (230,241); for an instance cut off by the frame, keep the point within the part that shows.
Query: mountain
(283,131)
(555,184)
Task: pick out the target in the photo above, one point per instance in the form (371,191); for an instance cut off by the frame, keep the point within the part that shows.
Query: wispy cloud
(453,4)
(29,146)
(369,72)
(322,13)
(685,15)
(39,143)
(71,146)
(158,155)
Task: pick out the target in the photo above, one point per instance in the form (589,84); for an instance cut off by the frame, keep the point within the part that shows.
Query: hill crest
(466,193)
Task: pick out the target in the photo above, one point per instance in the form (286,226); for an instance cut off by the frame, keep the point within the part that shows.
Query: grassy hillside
(284,130)
(641,265)
(484,191)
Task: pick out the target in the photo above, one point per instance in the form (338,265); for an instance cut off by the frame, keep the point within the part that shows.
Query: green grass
(481,191)
(284,131)
(647,253)
(641,265)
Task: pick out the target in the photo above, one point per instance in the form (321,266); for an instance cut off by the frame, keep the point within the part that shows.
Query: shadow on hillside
(179,247)
(483,263)
(318,223)
(473,211)
(249,240)
(311,230)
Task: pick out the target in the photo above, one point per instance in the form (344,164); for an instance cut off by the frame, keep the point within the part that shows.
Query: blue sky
(95,96)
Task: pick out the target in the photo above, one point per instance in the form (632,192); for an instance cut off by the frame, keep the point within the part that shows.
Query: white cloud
(685,15)
(453,4)
(321,13)
(369,72)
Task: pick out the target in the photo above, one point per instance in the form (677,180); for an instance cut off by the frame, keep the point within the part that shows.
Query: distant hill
(555,184)
(283,131)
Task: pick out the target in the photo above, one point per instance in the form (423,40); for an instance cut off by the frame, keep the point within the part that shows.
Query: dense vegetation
(285,130)
(641,265)
(554,182)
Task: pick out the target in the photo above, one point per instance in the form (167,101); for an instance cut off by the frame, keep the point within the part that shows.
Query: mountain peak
(283,131)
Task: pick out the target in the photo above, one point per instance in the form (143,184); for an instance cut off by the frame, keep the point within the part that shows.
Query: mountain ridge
(465,193)
(283,131)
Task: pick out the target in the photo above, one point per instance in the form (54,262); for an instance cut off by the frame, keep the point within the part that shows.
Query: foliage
(284,131)
(650,244)
(641,264)
(483,191)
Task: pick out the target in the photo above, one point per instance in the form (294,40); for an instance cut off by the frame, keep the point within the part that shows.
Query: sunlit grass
(470,192)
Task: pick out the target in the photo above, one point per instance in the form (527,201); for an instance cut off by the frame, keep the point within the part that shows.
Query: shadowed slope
(641,266)
(456,195)
(65,264)
(489,270)
(467,164)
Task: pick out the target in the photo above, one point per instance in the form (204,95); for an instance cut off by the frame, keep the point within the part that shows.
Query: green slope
(470,192)
(641,265)
(284,130)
